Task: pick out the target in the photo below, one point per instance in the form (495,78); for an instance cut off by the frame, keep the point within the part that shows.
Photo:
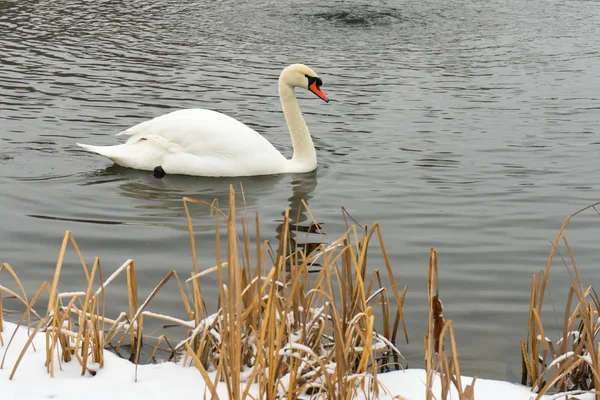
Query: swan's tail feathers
(144,155)
(111,152)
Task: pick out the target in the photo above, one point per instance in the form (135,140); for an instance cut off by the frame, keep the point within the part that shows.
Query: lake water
(469,126)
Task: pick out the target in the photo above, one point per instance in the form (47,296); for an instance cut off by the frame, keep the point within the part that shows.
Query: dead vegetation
(282,325)
(438,363)
(298,322)
(571,363)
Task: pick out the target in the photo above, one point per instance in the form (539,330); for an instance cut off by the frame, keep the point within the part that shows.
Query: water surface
(468,126)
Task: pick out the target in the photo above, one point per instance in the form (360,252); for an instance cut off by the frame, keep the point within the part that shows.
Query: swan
(203,142)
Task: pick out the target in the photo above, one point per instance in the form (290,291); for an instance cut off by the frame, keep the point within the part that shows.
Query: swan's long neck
(304,149)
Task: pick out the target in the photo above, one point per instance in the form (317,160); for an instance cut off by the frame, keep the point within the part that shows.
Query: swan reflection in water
(158,202)
(162,198)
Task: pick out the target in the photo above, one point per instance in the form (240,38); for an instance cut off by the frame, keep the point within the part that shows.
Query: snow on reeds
(282,326)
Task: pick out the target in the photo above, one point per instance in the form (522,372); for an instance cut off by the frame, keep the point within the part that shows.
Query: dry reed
(281,326)
(572,363)
(438,363)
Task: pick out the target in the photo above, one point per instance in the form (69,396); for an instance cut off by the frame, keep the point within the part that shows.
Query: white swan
(207,143)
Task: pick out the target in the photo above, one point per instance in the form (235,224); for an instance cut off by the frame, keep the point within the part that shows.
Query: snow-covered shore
(117,380)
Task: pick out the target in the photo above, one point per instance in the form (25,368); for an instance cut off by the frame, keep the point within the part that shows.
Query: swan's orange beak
(317,90)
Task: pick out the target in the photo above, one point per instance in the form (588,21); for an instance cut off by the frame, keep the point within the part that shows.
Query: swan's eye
(314,79)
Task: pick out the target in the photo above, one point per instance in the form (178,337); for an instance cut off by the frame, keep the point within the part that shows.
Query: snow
(187,324)
(118,381)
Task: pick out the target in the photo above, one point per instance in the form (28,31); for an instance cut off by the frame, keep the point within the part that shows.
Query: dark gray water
(469,126)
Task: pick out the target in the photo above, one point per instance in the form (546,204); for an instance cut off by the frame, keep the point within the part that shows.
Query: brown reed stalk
(1,319)
(432,291)
(29,307)
(438,363)
(450,371)
(22,298)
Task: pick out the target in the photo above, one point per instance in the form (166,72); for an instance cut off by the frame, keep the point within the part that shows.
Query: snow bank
(117,380)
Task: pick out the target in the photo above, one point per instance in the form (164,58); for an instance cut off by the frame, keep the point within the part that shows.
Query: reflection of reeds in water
(277,326)
(303,232)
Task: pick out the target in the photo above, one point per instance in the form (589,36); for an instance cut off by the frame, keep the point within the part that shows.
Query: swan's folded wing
(202,133)
(141,131)
(148,134)
(168,126)
(165,143)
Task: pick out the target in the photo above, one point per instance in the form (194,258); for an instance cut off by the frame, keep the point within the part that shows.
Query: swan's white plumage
(208,143)
(192,140)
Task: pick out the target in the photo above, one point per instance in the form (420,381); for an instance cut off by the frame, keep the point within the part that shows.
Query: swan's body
(196,142)
(207,143)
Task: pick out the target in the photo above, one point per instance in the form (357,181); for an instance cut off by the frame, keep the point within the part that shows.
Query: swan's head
(299,75)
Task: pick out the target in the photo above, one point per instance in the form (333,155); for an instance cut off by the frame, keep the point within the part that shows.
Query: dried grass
(572,363)
(438,363)
(282,324)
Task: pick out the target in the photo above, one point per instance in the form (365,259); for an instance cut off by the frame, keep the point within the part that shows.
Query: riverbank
(293,322)
(117,380)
